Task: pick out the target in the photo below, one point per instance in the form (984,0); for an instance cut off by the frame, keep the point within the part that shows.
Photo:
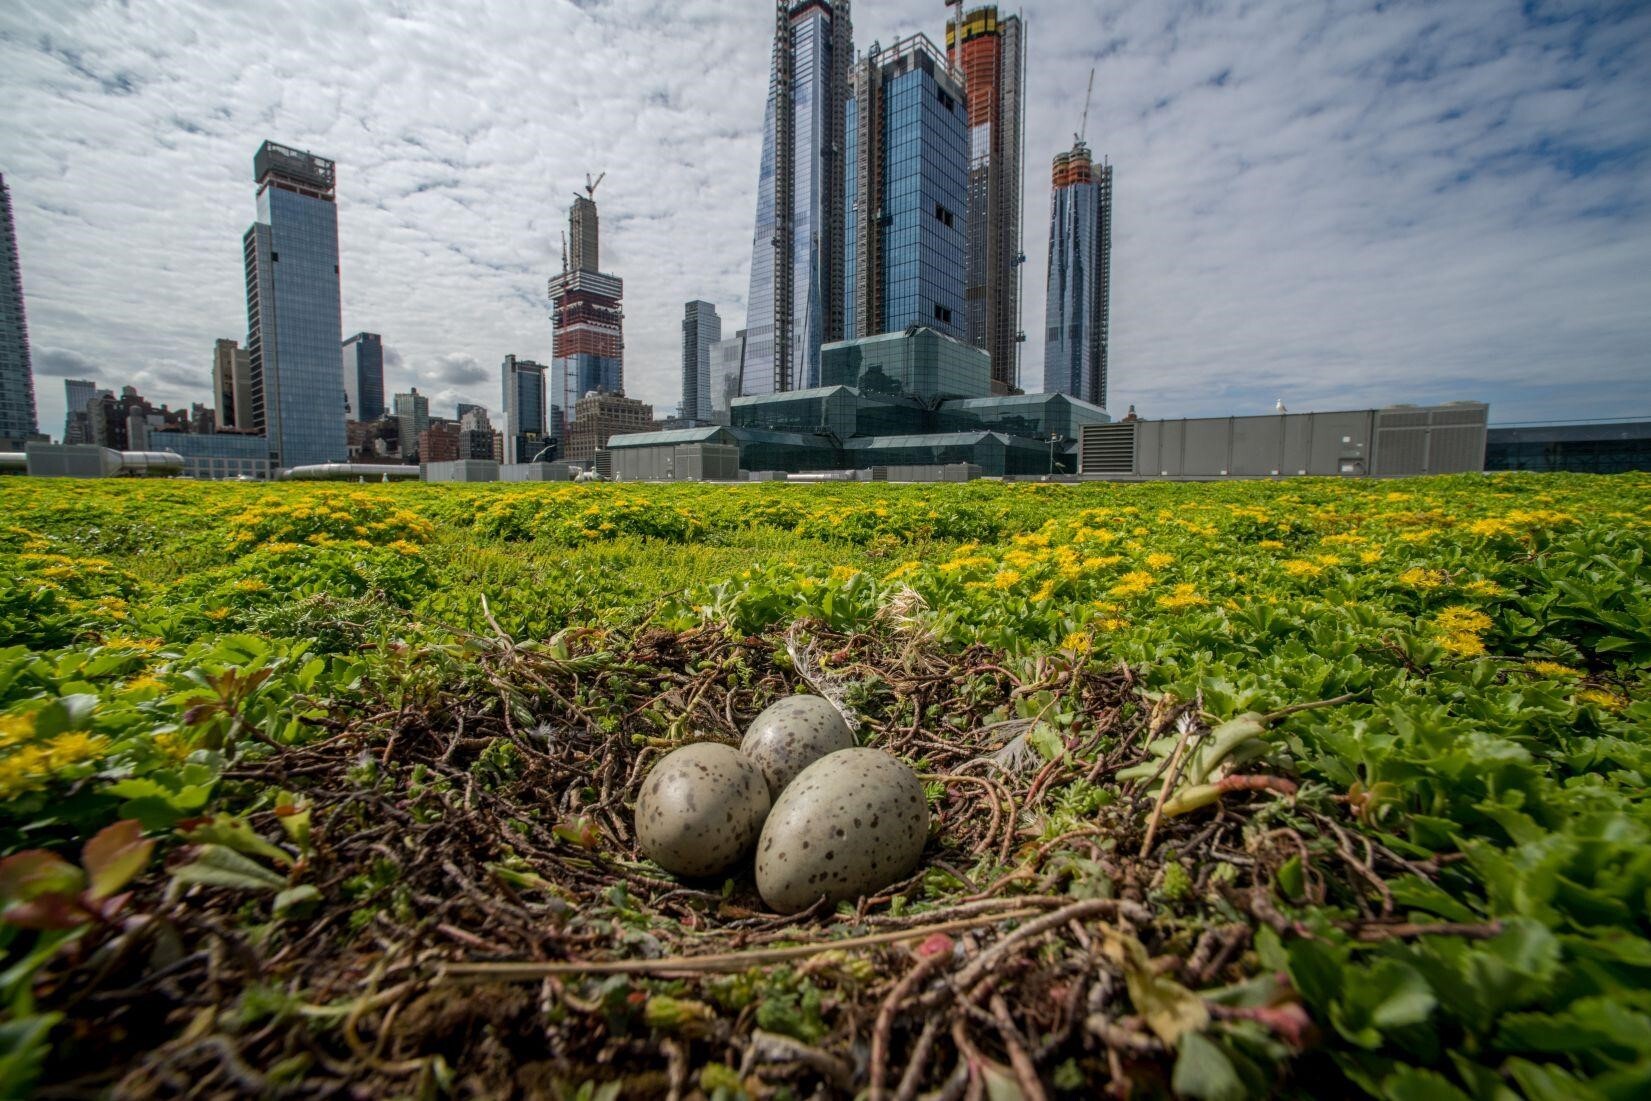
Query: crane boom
(1083,127)
(590,188)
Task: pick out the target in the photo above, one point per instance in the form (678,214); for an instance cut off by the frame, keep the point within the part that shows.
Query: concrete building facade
(232,385)
(588,323)
(598,417)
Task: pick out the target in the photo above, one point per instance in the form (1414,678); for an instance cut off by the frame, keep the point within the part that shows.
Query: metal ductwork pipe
(348,472)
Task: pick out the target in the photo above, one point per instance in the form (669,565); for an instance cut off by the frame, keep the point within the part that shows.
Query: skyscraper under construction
(991,51)
(588,342)
(796,298)
(1080,276)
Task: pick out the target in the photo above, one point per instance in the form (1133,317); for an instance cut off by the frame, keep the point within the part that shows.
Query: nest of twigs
(487,929)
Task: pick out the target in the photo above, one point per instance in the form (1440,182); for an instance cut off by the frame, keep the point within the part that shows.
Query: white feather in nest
(808,667)
(903,610)
(1017,755)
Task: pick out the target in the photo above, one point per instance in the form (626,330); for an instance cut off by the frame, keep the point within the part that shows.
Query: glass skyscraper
(524,409)
(796,298)
(906,144)
(294,327)
(701,328)
(991,51)
(1080,275)
(18,417)
(364,376)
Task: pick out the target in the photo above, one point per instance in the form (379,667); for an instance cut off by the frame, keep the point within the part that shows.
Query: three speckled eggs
(828,820)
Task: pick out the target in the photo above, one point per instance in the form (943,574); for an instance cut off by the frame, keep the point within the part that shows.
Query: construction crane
(1083,127)
(590,188)
(956,44)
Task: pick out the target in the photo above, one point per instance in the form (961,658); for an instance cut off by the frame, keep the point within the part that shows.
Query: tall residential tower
(294,326)
(906,142)
(232,386)
(991,51)
(588,322)
(1080,275)
(796,298)
(701,328)
(19,420)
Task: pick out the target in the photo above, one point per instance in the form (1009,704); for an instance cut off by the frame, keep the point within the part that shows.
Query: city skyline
(1385,206)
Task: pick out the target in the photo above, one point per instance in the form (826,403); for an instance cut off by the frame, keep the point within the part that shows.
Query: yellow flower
(1078,643)
(251,585)
(1370,557)
(1112,623)
(1463,644)
(1133,583)
(1492,527)
(1599,698)
(1159,560)
(136,645)
(283,548)
(15,729)
(1185,596)
(1418,578)
(1300,567)
(1045,591)
(1270,544)
(842,574)
(1460,618)
(1552,670)
(1484,588)
(1005,579)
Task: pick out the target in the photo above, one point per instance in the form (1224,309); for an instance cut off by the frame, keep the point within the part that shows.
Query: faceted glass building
(727,372)
(294,330)
(991,51)
(364,376)
(1080,278)
(701,330)
(524,409)
(795,303)
(906,144)
(920,363)
(19,419)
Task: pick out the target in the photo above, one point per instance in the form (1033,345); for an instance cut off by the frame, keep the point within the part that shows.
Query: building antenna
(1083,127)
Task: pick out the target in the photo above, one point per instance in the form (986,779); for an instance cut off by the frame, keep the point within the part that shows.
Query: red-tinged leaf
(198,713)
(34,873)
(47,912)
(114,856)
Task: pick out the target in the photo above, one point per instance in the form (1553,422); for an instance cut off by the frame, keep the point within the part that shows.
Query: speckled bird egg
(849,825)
(793,734)
(700,809)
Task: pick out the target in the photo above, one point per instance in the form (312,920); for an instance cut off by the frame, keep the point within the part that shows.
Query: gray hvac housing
(1398,441)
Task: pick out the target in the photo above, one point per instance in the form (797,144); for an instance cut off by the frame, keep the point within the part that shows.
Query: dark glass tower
(796,298)
(18,417)
(524,409)
(906,143)
(294,326)
(364,376)
(1080,276)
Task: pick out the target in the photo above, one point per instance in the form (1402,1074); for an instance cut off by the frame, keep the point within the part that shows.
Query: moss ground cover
(1312,788)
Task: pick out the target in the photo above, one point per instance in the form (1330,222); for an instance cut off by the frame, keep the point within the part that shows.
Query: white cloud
(1336,203)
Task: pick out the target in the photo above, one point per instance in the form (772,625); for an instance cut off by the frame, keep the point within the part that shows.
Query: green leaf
(217,866)
(1389,996)
(114,856)
(1047,741)
(236,833)
(23,1049)
(297,902)
(1203,1071)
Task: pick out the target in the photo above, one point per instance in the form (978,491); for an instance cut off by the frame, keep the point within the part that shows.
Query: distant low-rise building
(1614,448)
(599,416)
(439,443)
(216,456)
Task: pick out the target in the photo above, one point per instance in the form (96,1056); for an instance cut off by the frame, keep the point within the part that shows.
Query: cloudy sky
(1336,202)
